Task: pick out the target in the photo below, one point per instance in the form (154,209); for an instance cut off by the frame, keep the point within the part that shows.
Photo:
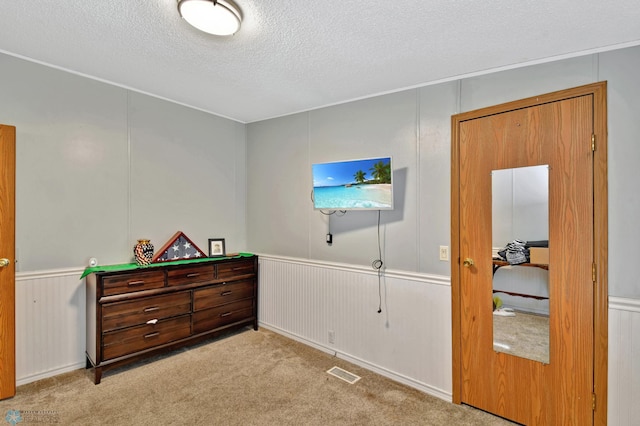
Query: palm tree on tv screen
(359,176)
(381,172)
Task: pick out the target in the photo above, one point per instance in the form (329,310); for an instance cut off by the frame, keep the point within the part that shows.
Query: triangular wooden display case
(179,247)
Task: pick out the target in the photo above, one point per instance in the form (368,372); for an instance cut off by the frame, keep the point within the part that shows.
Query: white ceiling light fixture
(217,17)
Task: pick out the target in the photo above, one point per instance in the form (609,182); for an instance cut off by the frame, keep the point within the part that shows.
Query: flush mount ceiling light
(218,17)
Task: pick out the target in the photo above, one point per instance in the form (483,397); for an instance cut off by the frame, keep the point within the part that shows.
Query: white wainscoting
(409,341)
(624,362)
(50,323)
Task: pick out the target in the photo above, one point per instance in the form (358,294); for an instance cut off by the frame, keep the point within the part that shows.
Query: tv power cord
(377,265)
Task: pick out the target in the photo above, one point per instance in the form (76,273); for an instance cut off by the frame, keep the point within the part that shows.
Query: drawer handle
(193,275)
(226,314)
(226,293)
(153,321)
(135,283)
(154,308)
(150,335)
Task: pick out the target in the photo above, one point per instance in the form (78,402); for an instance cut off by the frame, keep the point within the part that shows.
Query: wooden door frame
(600,234)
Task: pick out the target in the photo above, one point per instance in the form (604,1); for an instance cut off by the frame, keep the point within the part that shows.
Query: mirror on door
(520,237)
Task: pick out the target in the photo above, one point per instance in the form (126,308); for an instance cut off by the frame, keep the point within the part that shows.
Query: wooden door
(7,251)
(559,134)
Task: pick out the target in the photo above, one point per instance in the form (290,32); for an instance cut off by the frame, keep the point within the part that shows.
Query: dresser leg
(97,376)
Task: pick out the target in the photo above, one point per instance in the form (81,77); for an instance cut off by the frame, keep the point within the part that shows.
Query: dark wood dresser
(140,312)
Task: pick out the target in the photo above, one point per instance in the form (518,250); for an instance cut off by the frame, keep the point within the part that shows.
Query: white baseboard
(49,373)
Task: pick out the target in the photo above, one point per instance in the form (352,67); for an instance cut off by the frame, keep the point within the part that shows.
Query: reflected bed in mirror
(524,330)
(520,221)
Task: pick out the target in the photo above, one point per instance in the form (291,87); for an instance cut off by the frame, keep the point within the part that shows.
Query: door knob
(4,262)
(468,262)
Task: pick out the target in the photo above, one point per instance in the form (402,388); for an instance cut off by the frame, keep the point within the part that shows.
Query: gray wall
(413,126)
(98,167)
(620,69)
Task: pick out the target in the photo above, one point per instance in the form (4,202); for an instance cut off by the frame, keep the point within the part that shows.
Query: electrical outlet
(332,336)
(444,252)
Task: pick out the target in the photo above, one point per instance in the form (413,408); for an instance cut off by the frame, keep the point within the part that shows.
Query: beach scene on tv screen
(357,184)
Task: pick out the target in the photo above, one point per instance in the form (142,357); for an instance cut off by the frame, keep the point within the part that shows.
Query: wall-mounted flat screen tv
(363,184)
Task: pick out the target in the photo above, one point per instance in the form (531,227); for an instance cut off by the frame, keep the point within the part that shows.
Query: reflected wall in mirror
(520,236)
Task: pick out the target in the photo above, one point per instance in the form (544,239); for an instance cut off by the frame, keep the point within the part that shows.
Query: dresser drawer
(190,275)
(219,295)
(233,269)
(134,339)
(209,319)
(126,283)
(134,312)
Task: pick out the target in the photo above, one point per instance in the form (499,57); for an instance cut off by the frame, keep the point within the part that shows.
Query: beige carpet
(248,378)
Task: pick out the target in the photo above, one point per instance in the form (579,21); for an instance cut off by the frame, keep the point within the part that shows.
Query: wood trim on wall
(601,253)
(456,325)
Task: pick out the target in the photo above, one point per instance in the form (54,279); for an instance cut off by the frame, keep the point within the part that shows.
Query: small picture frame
(216,247)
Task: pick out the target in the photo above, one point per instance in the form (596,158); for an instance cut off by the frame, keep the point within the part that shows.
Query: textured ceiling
(297,55)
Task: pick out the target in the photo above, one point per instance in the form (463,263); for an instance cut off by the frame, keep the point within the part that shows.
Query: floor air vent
(344,375)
